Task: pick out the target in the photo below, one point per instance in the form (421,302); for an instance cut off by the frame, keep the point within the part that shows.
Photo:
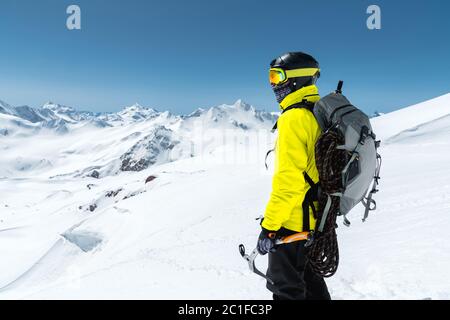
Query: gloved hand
(266,241)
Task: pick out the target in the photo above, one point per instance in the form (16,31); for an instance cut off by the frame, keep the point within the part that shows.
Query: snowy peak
(27,113)
(238,115)
(34,115)
(68,114)
(136,112)
(6,108)
(139,108)
(240,104)
(58,108)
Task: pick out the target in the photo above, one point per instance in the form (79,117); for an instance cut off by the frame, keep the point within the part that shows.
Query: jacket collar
(309,93)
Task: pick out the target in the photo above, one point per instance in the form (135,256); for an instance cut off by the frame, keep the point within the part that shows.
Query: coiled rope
(323,253)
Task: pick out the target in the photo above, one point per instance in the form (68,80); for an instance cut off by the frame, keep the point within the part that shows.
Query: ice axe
(251,258)
(251,262)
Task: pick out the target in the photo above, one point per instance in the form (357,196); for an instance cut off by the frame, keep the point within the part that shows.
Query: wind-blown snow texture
(77,219)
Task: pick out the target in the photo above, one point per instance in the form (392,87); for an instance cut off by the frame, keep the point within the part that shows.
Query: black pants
(293,278)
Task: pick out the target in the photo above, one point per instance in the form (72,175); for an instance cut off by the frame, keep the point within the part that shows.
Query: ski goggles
(278,76)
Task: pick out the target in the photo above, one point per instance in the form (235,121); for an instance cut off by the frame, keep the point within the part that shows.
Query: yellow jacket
(298,132)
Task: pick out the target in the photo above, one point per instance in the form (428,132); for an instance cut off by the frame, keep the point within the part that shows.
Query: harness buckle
(310,239)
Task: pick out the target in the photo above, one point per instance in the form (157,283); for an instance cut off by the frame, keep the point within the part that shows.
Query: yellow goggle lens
(277,76)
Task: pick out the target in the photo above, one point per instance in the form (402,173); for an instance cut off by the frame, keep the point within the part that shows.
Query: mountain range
(143,136)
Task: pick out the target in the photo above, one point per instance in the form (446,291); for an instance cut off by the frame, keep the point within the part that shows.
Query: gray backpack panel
(335,112)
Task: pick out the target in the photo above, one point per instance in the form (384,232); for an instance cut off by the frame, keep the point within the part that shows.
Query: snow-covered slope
(411,117)
(176,235)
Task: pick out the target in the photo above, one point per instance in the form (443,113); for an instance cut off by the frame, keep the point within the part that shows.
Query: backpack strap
(309,180)
(326,210)
(310,196)
(305,209)
(305,104)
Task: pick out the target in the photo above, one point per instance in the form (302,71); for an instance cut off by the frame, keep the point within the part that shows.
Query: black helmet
(294,61)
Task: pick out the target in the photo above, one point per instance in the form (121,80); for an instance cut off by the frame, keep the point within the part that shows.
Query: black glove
(266,241)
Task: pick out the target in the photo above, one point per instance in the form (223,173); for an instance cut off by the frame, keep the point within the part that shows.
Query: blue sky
(180,55)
